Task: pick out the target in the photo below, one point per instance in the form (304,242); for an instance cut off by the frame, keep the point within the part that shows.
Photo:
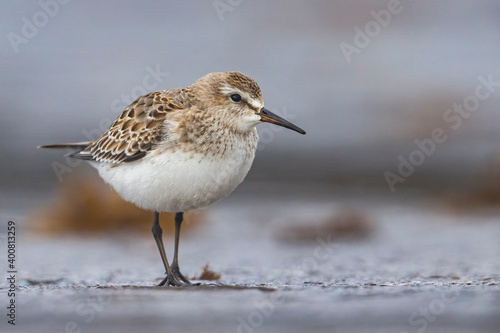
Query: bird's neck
(209,136)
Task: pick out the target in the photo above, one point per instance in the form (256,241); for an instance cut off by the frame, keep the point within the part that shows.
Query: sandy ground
(421,270)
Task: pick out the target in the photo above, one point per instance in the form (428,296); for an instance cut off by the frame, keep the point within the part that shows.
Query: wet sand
(420,270)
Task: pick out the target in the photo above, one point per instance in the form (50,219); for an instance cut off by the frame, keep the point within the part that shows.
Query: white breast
(177,181)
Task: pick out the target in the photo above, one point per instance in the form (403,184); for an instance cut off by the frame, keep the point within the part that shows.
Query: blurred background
(76,72)
(400,101)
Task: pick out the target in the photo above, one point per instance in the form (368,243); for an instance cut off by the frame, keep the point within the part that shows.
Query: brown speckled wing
(137,130)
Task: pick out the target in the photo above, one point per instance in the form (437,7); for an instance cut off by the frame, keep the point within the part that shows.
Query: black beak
(269,117)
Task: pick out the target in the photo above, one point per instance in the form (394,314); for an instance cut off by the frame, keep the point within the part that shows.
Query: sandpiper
(181,149)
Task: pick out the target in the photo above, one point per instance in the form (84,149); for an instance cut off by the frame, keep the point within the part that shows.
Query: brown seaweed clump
(207,274)
(482,195)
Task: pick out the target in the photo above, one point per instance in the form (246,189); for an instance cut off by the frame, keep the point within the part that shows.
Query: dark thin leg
(170,279)
(175,264)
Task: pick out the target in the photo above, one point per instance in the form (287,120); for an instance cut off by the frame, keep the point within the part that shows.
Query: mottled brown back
(137,130)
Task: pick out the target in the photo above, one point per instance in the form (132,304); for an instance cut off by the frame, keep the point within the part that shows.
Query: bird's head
(236,100)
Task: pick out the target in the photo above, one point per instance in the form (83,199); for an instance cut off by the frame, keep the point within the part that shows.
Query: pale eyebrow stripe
(230,90)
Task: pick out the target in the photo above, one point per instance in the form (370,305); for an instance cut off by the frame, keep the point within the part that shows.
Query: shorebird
(181,149)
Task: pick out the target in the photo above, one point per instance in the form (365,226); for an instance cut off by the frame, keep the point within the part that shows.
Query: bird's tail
(74,146)
(77,148)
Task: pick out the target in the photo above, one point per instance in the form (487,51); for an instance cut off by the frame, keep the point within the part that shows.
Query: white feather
(177,181)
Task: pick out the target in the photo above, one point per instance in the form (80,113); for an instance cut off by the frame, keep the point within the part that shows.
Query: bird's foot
(178,275)
(170,280)
(176,279)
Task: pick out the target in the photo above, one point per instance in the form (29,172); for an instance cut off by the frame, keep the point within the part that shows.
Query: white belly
(176,181)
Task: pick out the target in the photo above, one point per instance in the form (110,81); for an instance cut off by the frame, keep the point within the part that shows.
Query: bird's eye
(236,98)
